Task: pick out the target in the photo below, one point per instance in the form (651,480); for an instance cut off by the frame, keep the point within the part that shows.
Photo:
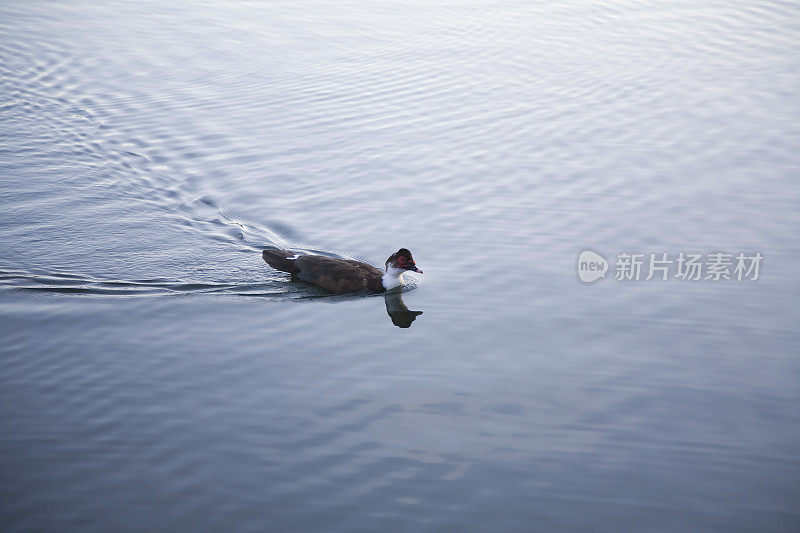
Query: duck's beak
(415,269)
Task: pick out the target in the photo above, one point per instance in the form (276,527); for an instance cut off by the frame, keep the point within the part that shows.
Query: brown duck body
(335,275)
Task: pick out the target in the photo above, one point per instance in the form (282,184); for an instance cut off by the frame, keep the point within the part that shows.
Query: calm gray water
(156,375)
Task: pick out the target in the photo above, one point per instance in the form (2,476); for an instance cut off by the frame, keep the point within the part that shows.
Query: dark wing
(336,275)
(373,276)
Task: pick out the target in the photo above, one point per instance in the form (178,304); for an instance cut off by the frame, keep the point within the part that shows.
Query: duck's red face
(407,263)
(403,259)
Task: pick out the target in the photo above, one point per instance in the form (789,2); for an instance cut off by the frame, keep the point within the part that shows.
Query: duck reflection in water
(401,316)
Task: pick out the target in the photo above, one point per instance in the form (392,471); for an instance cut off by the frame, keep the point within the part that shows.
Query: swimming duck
(342,275)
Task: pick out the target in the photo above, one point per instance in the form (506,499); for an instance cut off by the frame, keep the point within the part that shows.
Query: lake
(157,375)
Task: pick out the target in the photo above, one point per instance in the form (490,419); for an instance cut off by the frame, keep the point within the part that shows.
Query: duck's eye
(402,259)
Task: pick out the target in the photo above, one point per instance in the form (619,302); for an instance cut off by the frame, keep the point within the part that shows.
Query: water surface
(155,374)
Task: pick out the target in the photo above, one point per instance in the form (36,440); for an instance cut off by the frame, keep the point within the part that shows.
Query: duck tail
(281,260)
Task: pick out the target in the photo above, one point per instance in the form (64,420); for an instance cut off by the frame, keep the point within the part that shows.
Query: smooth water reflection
(401,316)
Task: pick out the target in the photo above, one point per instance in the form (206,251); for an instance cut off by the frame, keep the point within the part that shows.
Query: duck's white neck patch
(392,278)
